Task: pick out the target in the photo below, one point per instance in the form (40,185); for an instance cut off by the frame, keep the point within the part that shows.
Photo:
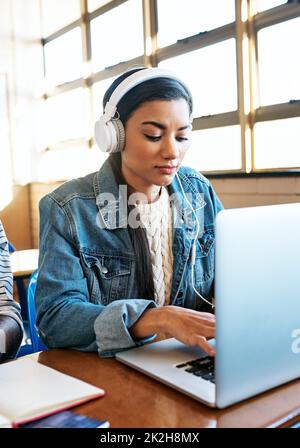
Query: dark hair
(160,88)
(138,239)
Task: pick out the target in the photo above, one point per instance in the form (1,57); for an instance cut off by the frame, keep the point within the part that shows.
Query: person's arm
(217,205)
(11,328)
(65,315)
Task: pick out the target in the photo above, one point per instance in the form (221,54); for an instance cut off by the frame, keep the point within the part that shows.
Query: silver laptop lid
(257,294)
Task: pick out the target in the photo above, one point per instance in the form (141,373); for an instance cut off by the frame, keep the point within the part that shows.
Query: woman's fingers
(191,327)
(202,343)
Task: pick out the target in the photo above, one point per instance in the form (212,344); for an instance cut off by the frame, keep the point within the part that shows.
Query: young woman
(11,326)
(127,253)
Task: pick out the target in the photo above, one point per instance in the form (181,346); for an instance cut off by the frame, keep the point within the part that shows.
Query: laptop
(257,294)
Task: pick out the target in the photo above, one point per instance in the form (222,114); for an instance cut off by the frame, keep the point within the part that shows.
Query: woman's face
(158,135)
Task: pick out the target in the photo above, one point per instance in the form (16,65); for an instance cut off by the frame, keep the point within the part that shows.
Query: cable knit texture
(157,220)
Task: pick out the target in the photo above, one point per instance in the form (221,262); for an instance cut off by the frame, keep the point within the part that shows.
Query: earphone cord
(193,253)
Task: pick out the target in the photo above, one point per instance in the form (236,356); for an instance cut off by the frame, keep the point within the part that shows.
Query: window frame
(244,30)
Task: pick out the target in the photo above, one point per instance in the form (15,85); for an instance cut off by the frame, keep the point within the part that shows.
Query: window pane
(215,149)
(277,143)
(210,73)
(6,157)
(58,13)
(99,90)
(113,40)
(63,58)
(279,68)
(191,17)
(64,117)
(262,5)
(55,164)
(95,4)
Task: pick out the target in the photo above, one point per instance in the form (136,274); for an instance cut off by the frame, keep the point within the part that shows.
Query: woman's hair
(160,88)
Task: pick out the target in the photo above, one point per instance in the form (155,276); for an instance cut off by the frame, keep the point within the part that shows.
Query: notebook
(29,391)
(257,291)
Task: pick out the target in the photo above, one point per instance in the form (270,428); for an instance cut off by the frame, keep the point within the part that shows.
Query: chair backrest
(11,247)
(36,341)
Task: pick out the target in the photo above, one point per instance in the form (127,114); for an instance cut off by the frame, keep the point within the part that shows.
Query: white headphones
(109,130)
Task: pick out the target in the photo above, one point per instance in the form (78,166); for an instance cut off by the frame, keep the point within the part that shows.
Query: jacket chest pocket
(205,256)
(203,273)
(107,277)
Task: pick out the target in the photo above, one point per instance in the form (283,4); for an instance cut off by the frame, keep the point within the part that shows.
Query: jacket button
(104,270)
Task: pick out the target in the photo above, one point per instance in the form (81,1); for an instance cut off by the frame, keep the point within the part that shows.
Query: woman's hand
(188,326)
(191,327)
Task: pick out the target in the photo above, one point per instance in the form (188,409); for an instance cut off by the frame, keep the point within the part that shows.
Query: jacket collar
(111,199)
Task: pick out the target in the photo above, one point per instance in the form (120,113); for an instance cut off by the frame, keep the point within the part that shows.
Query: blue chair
(36,340)
(20,286)
(11,247)
(33,343)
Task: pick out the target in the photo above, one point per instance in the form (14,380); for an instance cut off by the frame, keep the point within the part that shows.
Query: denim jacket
(87,294)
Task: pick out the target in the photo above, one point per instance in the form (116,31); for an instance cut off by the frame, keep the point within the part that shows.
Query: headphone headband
(133,80)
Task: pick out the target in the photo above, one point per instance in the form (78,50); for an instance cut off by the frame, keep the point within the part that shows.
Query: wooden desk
(134,400)
(24,262)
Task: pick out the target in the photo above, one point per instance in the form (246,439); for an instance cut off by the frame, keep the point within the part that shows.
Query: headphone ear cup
(103,135)
(119,135)
(109,135)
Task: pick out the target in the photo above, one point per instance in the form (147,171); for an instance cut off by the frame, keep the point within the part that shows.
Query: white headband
(132,81)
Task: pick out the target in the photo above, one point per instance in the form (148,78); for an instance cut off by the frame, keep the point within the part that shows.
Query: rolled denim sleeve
(119,315)
(66,316)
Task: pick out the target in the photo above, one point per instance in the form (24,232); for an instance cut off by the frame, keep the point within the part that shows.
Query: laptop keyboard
(202,367)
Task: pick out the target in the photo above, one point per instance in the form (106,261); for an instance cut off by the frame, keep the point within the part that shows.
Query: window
(271,148)
(99,90)
(210,73)
(262,5)
(114,40)
(215,149)
(65,118)
(94,4)
(244,76)
(63,58)
(67,163)
(6,172)
(61,164)
(58,13)
(183,19)
(279,75)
